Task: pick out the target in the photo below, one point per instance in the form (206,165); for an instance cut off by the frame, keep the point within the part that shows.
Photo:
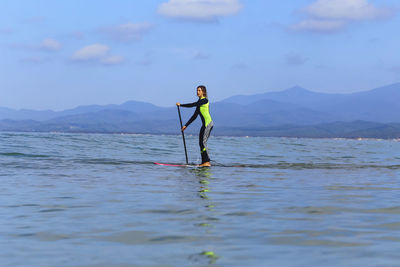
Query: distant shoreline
(359,138)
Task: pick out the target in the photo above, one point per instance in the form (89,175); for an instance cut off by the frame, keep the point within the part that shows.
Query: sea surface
(98,200)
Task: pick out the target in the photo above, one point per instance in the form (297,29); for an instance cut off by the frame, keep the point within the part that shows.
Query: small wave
(16,154)
(51,210)
(105,161)
(296,166)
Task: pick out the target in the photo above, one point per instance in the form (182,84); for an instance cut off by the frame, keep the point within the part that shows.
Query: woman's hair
(204,90)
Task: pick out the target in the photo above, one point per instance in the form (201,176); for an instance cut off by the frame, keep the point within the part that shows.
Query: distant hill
(292,112)
(25,114)
(380,104)
(296,96)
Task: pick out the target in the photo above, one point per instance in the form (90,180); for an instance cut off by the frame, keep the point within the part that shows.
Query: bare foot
(205,164)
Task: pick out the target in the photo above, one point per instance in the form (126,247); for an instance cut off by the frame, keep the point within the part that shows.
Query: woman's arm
(189,105)
(194,116)
(197,103)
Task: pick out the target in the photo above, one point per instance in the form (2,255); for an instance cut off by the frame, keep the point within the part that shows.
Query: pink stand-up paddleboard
(171,165)
(175,165)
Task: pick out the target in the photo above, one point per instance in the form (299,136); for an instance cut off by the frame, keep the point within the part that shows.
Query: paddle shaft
(183,134)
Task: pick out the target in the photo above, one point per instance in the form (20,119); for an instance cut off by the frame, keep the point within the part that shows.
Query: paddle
(183,135)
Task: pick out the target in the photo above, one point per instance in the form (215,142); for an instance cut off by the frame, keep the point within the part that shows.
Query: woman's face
(199,92)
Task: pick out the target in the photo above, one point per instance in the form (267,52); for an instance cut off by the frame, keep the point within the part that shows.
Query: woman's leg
(203,138)
(201,144)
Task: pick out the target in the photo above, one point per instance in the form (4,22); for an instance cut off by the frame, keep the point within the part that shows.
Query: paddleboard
(197,166)
(177,165)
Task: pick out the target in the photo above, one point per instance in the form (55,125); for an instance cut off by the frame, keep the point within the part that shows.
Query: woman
(202,109)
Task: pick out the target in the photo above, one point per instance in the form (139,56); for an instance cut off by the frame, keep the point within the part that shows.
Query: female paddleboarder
(202,109)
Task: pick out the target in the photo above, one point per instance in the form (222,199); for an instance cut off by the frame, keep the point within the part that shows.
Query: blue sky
(62,54)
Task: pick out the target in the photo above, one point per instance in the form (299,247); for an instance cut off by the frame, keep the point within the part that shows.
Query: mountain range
(292,112)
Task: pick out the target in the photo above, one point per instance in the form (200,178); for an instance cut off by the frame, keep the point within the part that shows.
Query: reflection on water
(204,176)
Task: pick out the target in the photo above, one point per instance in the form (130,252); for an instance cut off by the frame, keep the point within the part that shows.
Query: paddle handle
(183,135)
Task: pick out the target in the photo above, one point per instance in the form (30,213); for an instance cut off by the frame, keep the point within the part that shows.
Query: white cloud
(127,32)
(346,9)
(200,10)
(91,52)
(96,53)
(47,45)
(50,45)
(333,15)
(190,53)
(318,25)
(112,60)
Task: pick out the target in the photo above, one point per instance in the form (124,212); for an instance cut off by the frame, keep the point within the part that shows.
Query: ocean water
(98,200)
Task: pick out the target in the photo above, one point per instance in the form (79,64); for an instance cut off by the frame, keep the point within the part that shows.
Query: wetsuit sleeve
(194,116)
(197,103)
(189,105)
(202,102)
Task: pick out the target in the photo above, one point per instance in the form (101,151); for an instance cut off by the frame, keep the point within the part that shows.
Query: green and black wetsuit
(202,109)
